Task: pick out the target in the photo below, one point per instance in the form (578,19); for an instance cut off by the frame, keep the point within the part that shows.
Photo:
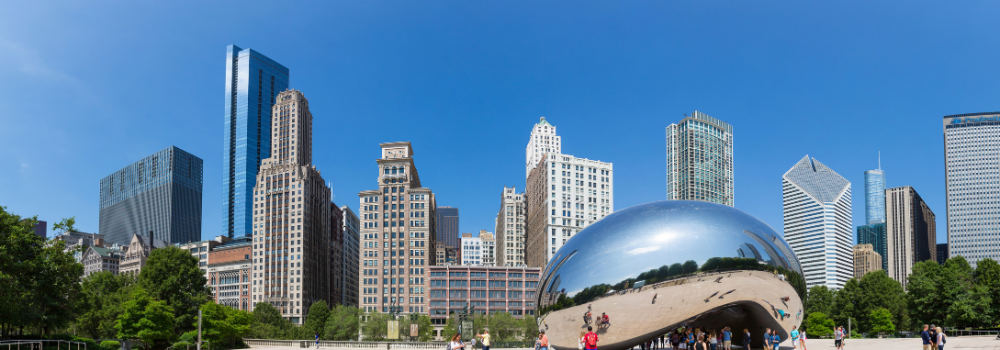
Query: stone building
(511,224)
(134,258)
(910,232)
(96,259)
(866,260)
(229,273)
(349,262)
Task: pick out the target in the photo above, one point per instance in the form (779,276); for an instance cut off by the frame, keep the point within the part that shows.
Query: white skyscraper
(543,141)
(510,227)
(817,219)
(972,181)
(472,250)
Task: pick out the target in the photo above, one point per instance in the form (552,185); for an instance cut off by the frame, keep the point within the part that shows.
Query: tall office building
(349,270)
(472,250)
(510,228)
(972,182)
(252,83)
(874,197)
(565,194)
(700,160)
(40,228)
(865,260)
(398,240)
(910,231)
(942,253)
(489,248)
(817,222)
(876,236)
(336,254)
(447,226)
(543,141)
(291,216)
(160,194)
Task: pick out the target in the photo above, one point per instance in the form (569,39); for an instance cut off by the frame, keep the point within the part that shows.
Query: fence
(326,344)
(40,344)
(970,332)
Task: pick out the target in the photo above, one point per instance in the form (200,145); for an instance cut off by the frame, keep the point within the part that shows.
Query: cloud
(642,250)
(28,61)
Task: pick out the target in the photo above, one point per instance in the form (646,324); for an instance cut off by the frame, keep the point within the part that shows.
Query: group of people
(933,336)
(457,344)
(702,339)
(603,321)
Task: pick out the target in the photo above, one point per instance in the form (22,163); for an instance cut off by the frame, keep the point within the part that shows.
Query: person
(472,343)
(838,338)
(702,344)
(486,339)
(795,337)
(605,320)
(746,339)
(925,336)
(727,338)
(713,340)
(843,337)
(690,340)
(317,340)
(775,339)
(933,334)
(590,339)
(456,342)
(767,339)
(940,338)
(543,341)
(675,339)
(581,340)
(802,339)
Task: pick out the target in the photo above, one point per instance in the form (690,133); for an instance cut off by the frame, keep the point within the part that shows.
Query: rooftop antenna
(879,160)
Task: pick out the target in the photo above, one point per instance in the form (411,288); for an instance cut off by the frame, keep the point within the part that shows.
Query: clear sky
(87,88)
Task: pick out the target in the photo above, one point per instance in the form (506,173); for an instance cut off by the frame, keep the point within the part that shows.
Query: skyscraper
(488,253)
(472,250)
(865,260)
(972,182)
(160,194)
(875,235)
(398,240)
(447,226)
(252,83)
(874,197)
(352,238)
(817,222)
(543,141)
(291,216)
(700,160)
(910,231)
(510,228)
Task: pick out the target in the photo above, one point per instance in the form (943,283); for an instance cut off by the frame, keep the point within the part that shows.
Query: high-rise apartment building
(159,194)
(337,254)
(488,252)
(972,182)
(565,194)
(700,160)
(874,197)
(510,228)
(398,236)
(253,81)
(942,253)
(472,250)
(349,270)
(446,226)
(910,231)
(817,222)
(865,260)
(291,216)
(543,141)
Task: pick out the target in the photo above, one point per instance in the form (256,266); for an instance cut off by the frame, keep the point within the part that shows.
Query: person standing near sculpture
(940,338)
(543,341)
(775,339)
(746,339)
(795,337)
(590,339)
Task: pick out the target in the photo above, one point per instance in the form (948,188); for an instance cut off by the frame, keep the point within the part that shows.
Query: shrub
(91,344)
(181,345)
(110,345)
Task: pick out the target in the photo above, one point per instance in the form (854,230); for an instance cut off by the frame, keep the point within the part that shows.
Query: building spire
(879,160)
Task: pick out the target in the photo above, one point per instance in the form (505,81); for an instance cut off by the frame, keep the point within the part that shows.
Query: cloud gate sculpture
(659,266)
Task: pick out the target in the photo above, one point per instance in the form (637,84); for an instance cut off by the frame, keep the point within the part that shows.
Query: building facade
(700,160)
(543,141)
(876,236)
(874,197)
(160,194)
(447,226)
(972,182)
(910,231)
(337,255)
(488,250)
(97,259)
(511,223)
(472,249)
(291,224)
(253,81)
(489,289)
(41,228)
(564,195)
(134,258)
(942,253)
(351,230)
(201,249)
(398,235)
(865,260)
(817,222)
(229,273)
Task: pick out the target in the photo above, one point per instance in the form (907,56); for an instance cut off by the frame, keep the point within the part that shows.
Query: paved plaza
(966,342)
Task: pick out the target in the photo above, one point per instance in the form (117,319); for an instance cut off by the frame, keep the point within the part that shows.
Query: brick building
(229,267)
(490,289)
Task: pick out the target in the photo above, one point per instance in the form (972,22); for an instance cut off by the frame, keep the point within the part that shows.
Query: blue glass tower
(158,197)
(874,197)
(252,82)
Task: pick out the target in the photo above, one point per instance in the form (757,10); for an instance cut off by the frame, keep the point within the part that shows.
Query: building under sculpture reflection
(656,267)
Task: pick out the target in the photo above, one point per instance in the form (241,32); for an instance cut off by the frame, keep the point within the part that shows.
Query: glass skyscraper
(159,194)
(876,235)
(252,83)
(700,160)
(447,226)
(817,217)
(972,183)
(874,197)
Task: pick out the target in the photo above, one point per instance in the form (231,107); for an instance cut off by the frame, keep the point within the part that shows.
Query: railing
(328,344)
(40,344)
(970,332)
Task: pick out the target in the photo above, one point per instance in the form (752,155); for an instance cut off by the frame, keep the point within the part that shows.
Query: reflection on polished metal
(659,266)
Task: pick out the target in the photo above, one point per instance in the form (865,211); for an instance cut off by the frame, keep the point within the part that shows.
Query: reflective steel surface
(655,267)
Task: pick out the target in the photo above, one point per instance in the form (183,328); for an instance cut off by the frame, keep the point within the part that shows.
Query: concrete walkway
(954,343)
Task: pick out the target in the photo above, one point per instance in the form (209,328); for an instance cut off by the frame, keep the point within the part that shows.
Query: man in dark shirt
(926,337)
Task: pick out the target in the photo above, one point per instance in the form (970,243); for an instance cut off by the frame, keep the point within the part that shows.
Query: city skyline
(758,166)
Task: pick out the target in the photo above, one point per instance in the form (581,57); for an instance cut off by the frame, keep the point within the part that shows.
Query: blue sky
(89,87)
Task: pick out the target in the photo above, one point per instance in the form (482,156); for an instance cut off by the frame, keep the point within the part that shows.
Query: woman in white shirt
(456,343)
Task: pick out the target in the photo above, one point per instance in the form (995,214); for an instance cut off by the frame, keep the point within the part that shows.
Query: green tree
(267,323)
(316,318)
(819,299)
(971,308)
(819,325)
(927,299)
(102,298)
(65,226)
(987,275)
(880,321)
(223,326)
(690,266)
(877,290)
(529,326)
(376,326)
(147,319)
(450,327)
(503,327)
(676,269)
(172,274)
(846,303)
(342,324)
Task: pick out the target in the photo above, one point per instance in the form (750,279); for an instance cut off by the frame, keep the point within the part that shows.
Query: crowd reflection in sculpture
(667,265)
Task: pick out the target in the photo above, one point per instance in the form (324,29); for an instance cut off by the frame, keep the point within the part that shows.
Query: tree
(267,323)
(877,290)
(102,297)
(223,325)
(375,328)
(147,319)
(503,327)
(316,318)
(690,266)
(971,308)
(529,327)
(927,300)
(880,321)
(172,275)
(987,274)
(819,299)
(846,303)
(342,324)
(819,325)
(676,269)
(65,225)
(450,327)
